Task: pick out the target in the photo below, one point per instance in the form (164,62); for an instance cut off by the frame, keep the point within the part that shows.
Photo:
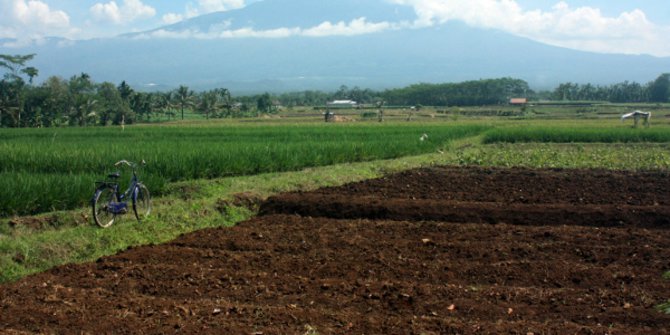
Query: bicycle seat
(114,175)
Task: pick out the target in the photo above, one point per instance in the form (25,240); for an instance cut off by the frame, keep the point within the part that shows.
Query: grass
(55,169)
(575,155)
(546,134)
(193,205)
(69,236)
(190,202)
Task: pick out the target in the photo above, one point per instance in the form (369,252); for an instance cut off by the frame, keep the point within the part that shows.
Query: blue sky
(613,26)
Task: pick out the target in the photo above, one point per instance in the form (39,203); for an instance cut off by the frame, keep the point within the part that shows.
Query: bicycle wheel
(102,202)
(141,202)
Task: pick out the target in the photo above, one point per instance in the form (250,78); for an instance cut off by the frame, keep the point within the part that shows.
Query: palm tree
(184,98)
(209,103)
(226,99)
(163,103)
(83,110)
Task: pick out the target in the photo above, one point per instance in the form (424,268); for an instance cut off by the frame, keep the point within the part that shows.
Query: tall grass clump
(47,169)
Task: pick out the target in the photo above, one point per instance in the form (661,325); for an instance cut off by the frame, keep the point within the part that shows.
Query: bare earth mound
(432,251)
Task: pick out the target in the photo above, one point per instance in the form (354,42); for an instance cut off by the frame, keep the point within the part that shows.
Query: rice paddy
(55,169)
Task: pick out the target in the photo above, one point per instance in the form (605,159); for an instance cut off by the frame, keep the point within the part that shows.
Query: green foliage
(659,89)
(64,239)
(30,251)
(46,169)
(184,98)
(545,134)
(578,155)
(369,115)
(15,64)
(469,93)
(665,308)
(24,251)
(264,103)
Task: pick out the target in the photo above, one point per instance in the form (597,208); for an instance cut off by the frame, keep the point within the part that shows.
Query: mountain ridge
(385,59)
(266,15)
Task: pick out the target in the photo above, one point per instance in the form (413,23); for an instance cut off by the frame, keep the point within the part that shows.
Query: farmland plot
(52,169)
(430,251)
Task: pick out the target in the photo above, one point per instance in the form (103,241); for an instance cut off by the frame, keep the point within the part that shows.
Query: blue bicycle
(108,202)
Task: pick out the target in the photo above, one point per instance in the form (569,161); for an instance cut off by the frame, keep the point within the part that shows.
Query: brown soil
(432,251)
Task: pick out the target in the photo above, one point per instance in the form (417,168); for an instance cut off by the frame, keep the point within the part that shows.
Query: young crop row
(54,169)
(565,134)
(578,156)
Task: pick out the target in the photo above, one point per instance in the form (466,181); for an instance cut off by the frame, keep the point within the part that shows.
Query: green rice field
(577,134)
(43,170)
(55,169)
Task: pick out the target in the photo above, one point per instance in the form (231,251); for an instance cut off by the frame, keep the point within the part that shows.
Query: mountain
(391,57)
(274,14)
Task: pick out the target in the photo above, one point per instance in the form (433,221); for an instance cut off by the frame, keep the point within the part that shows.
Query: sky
(609,26)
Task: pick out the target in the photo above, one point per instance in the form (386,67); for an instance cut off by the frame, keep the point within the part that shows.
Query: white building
(342,104)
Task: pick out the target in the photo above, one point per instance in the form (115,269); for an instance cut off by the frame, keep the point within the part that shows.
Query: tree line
(657,91)
(487,92)
(79,101)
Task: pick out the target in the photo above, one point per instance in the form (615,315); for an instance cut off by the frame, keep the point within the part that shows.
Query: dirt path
(433,251)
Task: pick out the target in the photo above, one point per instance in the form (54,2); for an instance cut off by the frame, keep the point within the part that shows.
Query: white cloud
(130,11)
(355,27)
(26,20)
(209,6)
(584,28)
(203,7)
(171,18)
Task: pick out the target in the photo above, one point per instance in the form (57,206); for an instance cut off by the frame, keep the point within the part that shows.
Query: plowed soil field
(430,251)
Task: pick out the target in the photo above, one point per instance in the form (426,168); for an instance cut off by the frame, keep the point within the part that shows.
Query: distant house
(342,104)
(518,101)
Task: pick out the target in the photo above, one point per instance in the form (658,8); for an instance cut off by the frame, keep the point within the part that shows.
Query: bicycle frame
(119,197)
(117,202)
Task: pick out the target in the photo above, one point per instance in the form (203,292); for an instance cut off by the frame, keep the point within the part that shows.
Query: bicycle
(108,202)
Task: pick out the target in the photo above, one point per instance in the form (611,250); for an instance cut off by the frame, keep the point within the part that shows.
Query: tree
(13,85)
(162,102)
(31,72)
(125,91)
(142,104)
(15,64)
(113,108)
(57,101)
(83,109)
(8,104)
(209,103)
(184,98)
(264,103)
(81,84)
(226,100)
(659,89)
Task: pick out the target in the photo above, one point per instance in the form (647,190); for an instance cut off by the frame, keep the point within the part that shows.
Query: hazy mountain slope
(393,58)
(273,14)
